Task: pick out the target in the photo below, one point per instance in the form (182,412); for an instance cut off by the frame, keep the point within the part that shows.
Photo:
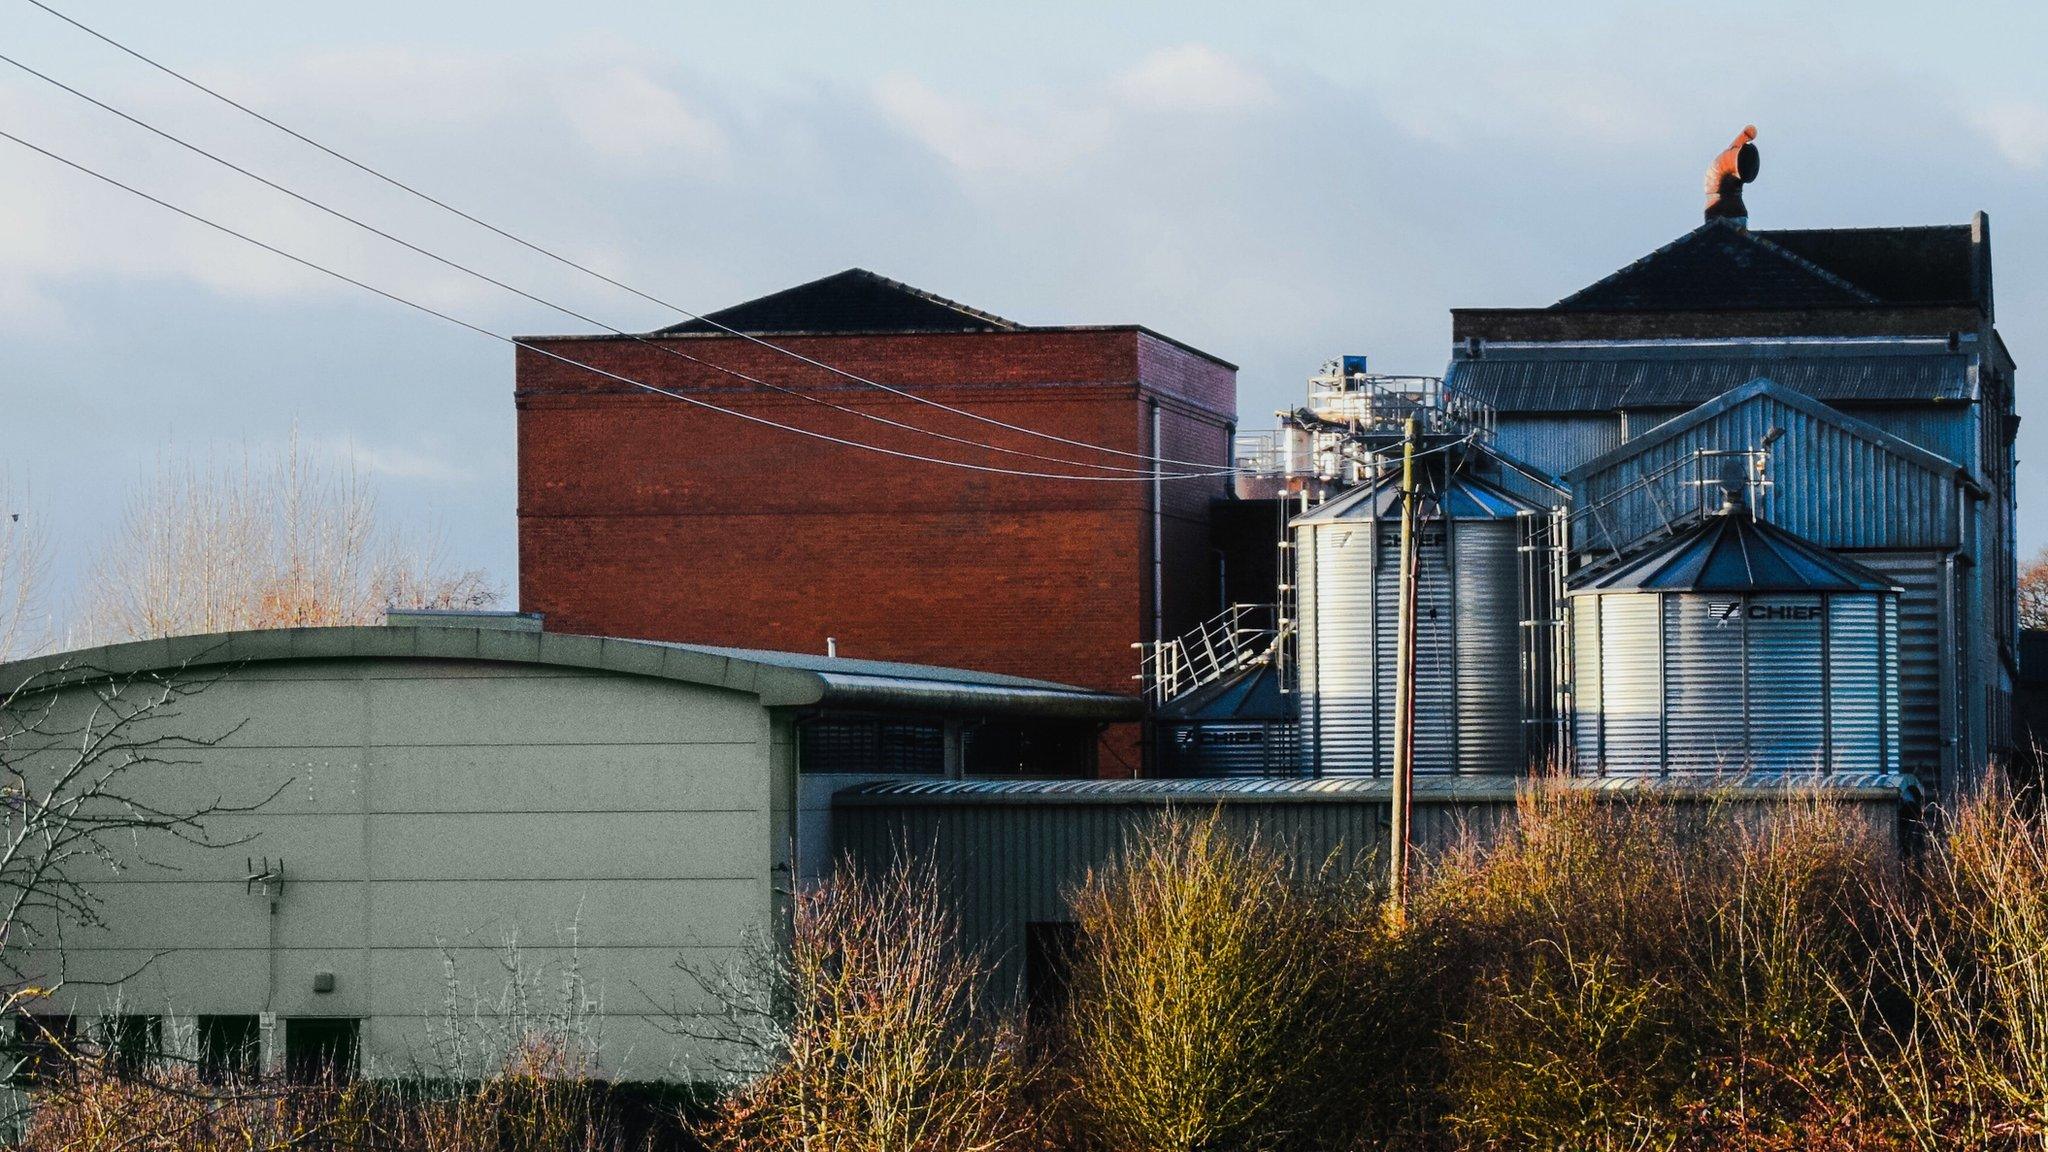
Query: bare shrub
(1653,975)
(869,1034)
(1956,1003)
(1210,1005)
(283,542)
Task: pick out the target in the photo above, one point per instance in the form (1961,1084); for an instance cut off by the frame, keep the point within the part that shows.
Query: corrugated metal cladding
(1581,380)
(1894,502)
(1713,683)
(1554,443)
(1012,853)
(1468,705)
(1921,650)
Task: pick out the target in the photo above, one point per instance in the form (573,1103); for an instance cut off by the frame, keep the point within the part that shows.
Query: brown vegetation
(1609,975)
(278,543)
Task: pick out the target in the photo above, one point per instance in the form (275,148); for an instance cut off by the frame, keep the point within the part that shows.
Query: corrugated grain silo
(1473,577)
(1735,646)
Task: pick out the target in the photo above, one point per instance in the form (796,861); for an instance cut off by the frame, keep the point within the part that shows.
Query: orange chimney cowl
(1733,168)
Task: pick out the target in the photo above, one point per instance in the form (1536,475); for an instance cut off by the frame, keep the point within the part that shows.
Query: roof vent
(1733,168)
(1732,482)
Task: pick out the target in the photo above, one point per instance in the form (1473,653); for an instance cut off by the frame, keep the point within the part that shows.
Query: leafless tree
(2034,591)
(90,767)
(285,542)
(24,575)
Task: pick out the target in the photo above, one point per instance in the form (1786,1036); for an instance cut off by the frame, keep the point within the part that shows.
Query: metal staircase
(1236,638)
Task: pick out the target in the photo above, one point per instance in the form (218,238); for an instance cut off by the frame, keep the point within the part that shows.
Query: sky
(1277,183)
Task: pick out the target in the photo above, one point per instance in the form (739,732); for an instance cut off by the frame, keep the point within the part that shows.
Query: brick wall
(643,516)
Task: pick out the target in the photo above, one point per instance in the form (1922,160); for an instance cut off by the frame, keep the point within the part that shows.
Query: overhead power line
(565,310)
(556,356)
(565,261)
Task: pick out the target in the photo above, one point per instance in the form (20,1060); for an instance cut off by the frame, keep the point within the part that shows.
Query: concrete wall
(430,813)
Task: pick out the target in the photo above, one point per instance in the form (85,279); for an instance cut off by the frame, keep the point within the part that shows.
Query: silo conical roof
(1463,497)
(1732,551)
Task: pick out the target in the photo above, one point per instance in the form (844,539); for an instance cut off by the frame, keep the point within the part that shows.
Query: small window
(230,1047)
(871,745)
(43,1047)
(131,1042)
(320,1049)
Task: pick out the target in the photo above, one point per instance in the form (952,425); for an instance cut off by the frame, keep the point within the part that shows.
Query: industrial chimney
(1733,168)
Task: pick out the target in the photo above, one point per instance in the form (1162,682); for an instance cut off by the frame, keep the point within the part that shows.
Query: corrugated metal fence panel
(1586,699)
(1556,443)
(1345,736)
(1920,656)
(1631,695)
(1702,683)
(1893,503)
(1487,587)
(1787,718)
(1005,866)
(1857,684)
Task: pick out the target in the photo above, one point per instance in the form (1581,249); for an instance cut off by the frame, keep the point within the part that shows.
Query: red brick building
(642,515)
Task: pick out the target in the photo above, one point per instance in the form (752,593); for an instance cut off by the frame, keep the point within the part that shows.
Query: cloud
(1193,78)
(1046,133)
(622,113)
(1026,139)
(2019,130)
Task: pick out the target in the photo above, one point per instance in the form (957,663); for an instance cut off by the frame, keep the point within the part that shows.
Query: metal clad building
(1864,363)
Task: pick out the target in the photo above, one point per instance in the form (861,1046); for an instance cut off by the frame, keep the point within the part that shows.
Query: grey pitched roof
(855,300)
(1720,265)
(779,679)
(1585,378)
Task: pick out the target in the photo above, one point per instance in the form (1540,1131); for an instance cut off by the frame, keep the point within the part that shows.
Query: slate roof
(1721,266)
(855,300)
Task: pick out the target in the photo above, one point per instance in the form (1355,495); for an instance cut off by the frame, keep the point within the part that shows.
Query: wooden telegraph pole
(1404,677)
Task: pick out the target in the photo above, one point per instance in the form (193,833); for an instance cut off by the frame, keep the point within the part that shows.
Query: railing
(1681,494)
(1236,638)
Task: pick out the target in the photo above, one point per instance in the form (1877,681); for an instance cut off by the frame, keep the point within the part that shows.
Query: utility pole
(1404,677)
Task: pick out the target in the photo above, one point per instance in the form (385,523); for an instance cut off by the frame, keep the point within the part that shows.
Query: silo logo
(1723,611)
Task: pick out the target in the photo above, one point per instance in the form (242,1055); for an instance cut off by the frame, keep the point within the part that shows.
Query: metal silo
(1471,643)
(1735,646)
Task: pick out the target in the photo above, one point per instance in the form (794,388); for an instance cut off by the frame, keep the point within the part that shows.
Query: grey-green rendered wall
(433,815)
